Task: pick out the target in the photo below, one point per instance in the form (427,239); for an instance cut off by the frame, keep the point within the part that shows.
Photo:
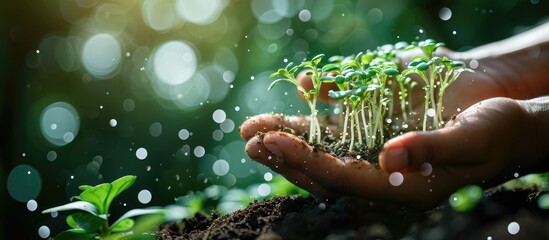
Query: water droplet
(141,153)
(304,15)
(219,116)
(32,205)
(51,156)
(113,122)
(513,228)
(183,134)
(199,151)
(44,232)
(473,64)
(426,169)
(144,196)
(268,176)
(445,14)
(396,179)
(264,189)
(431,112)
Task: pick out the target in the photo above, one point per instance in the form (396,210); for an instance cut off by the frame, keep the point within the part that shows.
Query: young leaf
(118,186)
(75,234)
(97,196)
(422,66)
(123,225)
(327,79)
(391,71)
(86,221)
(78,205)
(139,212)
(457,64)
(276,82)
(317,59)
(331,68)
(339,94)
(84,187)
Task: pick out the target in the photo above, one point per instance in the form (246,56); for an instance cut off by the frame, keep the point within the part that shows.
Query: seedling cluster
(370,86)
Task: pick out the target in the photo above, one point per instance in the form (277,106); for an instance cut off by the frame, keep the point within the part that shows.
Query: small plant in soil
(91,219)
(370,89)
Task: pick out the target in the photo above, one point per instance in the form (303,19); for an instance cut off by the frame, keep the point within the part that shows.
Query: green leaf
(466,198)
(276,82)
(339,94)
(282,71)
(457,64)
(317,59)
(331,68)
(270,76)
(416,62)
(293,70)
(78,205)
(84,187)
(75,234)
(327,79)
(339,79)
(102,195)
(422,66)
(373,87)
(86,221)
(391,71)
(123,225)
(336,59)
(409,47)
(139,212)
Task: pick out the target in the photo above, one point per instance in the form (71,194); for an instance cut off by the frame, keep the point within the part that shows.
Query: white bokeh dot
(305,15)
(32,205)
(396,179)
(199,151)
(141,153)
(513,228)
(144,196)
(183,134)
(219,116)
(44,232)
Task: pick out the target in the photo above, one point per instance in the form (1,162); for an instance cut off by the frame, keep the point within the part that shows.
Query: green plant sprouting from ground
(366,86)
(91,219)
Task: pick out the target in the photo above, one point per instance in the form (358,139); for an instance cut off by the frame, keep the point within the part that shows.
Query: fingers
(307,83)
(257,151)
(331,173)
(271,122)
(296,125)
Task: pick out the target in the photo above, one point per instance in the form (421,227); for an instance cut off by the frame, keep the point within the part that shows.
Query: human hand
(485,144)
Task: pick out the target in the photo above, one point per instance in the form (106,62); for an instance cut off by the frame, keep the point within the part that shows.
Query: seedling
(91,221)
(366,85)
(288,74)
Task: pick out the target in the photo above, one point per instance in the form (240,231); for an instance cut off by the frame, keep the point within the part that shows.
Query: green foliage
(91,219)
(367,85)
(466,198)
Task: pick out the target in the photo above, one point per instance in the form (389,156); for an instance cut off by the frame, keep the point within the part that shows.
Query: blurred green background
(93,90)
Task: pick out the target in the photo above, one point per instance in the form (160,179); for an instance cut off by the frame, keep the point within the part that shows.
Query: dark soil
(349,218)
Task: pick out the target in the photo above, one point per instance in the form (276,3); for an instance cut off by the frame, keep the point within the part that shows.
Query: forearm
(537,136)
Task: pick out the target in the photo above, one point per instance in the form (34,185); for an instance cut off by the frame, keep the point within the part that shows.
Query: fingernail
(274,149)
(395,159)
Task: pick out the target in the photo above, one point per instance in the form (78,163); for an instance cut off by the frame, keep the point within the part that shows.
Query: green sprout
(289,74)
(366,85)
(435,72)
(91,221)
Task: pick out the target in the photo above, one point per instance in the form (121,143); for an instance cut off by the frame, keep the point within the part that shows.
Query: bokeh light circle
(201,12)
(174,62)
(44,232)
(59,123)
(101,55)
(144,196)
(220,167)
(24,183)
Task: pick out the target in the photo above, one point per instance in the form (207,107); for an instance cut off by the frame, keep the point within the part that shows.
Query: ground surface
(347,218)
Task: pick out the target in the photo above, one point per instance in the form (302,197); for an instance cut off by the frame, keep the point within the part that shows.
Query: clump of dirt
(351,218)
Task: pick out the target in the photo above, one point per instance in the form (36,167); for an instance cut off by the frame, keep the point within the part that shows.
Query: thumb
(457,144)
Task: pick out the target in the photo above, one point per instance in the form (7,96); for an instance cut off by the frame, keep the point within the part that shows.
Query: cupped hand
(483,145)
